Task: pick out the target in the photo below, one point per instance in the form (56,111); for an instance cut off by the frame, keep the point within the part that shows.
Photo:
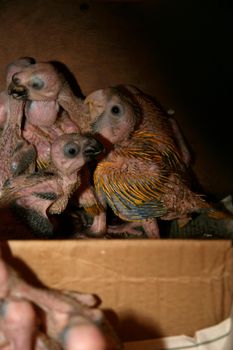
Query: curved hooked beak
(18,92)
(93,148)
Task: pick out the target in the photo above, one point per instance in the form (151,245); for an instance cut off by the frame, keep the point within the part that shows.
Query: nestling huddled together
(115,158)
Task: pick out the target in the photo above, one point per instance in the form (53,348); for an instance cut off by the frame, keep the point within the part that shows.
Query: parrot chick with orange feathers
(142,177)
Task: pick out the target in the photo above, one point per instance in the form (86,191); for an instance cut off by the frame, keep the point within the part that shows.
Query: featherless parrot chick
(52,109)
(42,138)
(18,319)
(16,154)
(17,324)
(36,195)
(71,318)
(19,327)
(142,176)
(43,82)
(16,66)
(42,114)
(11,69)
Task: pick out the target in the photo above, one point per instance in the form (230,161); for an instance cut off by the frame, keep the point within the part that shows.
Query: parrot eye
(116,110)
(37,83)
(71,149)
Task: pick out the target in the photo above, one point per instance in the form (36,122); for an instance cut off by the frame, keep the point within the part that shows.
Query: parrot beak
(18,92)
(96,102)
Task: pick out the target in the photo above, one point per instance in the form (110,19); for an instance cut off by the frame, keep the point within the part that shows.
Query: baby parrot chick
(36,195)
(51,109)
(47,90)
(38,84)
(70,318)
(142,176)
(11,69)
(17,324)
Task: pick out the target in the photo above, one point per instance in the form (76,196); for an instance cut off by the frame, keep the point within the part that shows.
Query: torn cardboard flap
(155,288)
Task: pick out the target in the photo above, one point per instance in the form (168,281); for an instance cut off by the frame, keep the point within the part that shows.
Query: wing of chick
(133,179)
(15,153)
(40,184)
(31,196)
(138,191)
(132,196)
(138,182)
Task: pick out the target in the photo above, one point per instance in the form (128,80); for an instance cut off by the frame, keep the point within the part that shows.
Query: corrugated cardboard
(149,288)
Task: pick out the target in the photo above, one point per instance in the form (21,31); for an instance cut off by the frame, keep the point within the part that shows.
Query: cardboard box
(149,288)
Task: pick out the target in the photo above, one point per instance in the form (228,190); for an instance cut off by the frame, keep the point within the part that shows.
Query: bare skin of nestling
(3,108)
(36,195)
(70,318)
(44,119)
(17,317)
(11,69)
(19,328)
(42,82)
(42,137)
(143,176)
(15,153)
(52,109)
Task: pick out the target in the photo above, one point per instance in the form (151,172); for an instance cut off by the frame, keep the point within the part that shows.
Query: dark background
(179,51)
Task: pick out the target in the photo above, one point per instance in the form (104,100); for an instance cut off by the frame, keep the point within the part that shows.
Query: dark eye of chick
(37,84)
(71,150)
(116,110)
